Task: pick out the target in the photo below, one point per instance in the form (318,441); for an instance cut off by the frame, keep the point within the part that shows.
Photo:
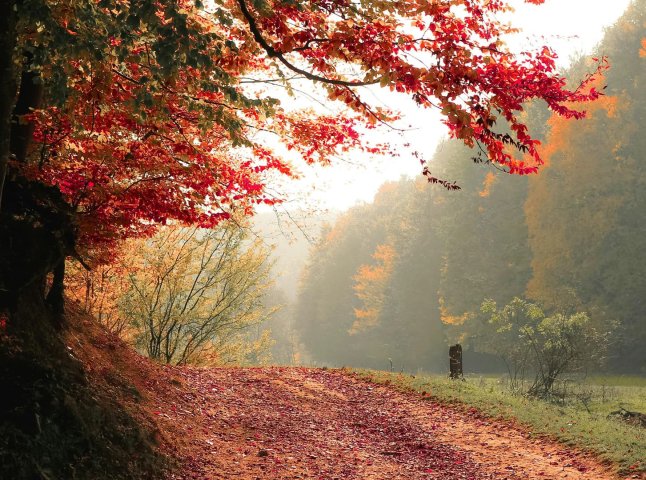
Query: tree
(324,311)
(98,290)
(105,140)
(586,227)
(484,238)
(546,346)
(371,283)
(368,296)
(195,294)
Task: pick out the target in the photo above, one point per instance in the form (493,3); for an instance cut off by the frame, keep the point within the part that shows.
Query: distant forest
(392,283)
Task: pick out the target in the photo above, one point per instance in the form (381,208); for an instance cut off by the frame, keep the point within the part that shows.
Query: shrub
(529,342)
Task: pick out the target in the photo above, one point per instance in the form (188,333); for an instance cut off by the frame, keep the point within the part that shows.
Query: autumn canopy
(117,116)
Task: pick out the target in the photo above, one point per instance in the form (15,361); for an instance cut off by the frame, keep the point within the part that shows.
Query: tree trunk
(8,84)
(455,361)
(30,98)
(37,228)
(55,296)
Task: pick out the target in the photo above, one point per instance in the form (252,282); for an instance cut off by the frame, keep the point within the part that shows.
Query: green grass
(579,420)
(618,380)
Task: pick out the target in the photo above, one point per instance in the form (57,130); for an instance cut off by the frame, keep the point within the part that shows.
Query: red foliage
(131,149)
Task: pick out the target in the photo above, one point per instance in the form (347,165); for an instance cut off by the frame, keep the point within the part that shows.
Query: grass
(579,420)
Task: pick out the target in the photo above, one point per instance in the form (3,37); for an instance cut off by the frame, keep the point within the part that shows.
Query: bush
(548,347)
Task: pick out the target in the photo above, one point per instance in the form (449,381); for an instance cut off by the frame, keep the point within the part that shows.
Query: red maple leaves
(156,132)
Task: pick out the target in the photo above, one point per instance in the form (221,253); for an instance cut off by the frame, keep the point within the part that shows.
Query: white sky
(570,27)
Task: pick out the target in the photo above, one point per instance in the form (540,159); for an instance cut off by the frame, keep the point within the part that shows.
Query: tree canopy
(149,111)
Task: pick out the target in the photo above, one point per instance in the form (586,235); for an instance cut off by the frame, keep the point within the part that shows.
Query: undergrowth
(61,417)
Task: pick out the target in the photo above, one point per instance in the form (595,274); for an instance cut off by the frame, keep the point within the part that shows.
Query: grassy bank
(580,420)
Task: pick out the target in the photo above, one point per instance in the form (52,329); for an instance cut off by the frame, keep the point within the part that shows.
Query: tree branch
(273,53)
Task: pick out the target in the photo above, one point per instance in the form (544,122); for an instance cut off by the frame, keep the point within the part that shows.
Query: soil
(69,409)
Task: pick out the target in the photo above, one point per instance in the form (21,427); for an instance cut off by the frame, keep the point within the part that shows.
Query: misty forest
(171,309)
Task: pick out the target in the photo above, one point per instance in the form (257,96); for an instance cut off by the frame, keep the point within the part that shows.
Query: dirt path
(295,423)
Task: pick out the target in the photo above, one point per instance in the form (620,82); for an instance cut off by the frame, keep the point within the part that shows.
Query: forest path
(299,423)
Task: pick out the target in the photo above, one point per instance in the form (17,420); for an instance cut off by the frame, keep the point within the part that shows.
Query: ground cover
(304,423)
(138,419)
(580,420)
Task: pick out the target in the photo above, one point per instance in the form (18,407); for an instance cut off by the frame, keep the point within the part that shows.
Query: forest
(168,311)
(400,279)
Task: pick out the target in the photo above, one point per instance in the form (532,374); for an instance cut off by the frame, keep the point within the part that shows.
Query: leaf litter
(304,423)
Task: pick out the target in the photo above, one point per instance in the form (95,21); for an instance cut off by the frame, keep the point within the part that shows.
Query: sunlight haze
(571,27)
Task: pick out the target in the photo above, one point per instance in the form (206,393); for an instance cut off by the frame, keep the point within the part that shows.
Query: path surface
(296,423)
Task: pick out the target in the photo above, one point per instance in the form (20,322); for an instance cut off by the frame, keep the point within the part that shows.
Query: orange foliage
(567,146)
(562,128)
(371,282)
(489,180)
(98,291)
(642,51)
(340,226)
(449,319)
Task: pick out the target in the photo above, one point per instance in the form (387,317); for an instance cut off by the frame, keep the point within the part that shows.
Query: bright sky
(570,27)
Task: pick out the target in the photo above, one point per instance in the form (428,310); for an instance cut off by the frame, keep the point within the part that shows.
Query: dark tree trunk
(55,296)
(37,232)
(8,84)
(455,361)
(30,97)
(37,229)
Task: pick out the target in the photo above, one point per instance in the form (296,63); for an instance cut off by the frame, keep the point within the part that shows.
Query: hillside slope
(75,403)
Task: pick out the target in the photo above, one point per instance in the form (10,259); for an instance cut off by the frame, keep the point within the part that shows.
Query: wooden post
(455,361)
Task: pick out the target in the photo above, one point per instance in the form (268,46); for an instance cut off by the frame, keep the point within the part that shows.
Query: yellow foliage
(241,349)
(196,292)
(98,290)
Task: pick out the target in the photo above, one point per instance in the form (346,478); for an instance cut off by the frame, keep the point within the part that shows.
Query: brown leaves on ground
(299,423)
(303,423)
